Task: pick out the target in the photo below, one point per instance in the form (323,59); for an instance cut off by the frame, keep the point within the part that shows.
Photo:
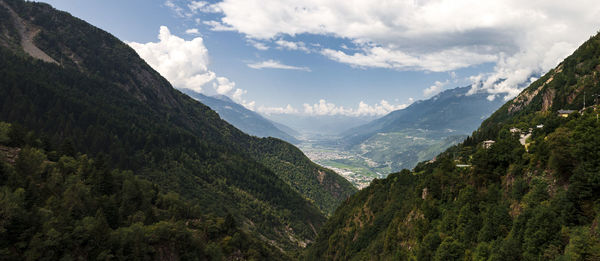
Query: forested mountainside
(524,186)
(75,207)
(237,115)
(82,91)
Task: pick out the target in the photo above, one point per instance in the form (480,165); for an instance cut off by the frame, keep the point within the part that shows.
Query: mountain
(320,125)
(79,208)
(237,115)
(80,92)
(419,132)
(453,110)
(524,186)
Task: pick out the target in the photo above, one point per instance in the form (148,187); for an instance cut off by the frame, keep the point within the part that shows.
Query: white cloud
(218,26)
(258,45)
(376,56)
(272,64)
(434,89)
(177,9)
(283,44)
(363,109)
(223,85)
(185,65)
(324,108)
(193,7)
(522,38)
(237,97)
(277,110)
(196,6)
(192,31)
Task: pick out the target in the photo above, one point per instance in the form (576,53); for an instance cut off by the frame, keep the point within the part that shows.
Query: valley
(116,148)
(350,165)
(379,155)
(402,138)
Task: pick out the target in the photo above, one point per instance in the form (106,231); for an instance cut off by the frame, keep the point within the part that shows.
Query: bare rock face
(547,99)
(27,33)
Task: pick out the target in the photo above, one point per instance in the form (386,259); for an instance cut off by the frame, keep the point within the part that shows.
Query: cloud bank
(324,108)
(521,38)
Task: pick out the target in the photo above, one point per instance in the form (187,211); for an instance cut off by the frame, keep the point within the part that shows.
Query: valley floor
(354,167)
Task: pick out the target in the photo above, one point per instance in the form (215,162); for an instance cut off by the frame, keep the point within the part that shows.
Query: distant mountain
(405,137)
(326,125)
(246,120)
(454,111)
(97,114)
(505,199)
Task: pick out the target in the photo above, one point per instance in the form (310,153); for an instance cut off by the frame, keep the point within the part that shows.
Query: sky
(353,57)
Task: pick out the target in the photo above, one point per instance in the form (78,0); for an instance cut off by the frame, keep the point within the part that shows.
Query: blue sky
(327,57)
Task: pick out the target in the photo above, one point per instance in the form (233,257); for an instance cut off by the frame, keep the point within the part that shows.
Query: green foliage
(58,210)
(449,249)
(106,102)
(513,203)
(4,132)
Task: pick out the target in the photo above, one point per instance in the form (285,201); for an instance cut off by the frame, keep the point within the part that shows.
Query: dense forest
(76,207)
(531,194)
(103,101)
(100,158)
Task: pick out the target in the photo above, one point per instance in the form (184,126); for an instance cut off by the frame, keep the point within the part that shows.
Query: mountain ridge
(523,186)
(106,102)
(246,120)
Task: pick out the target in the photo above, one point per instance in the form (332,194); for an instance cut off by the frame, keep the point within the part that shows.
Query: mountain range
(453,111)
(246,120)
(403,138)
(78,94)
(419,132)
(523,186)
(101,158)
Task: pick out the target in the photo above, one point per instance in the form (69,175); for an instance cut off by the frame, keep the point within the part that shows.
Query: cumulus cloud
(272,64)
(363,109)
(277,110)
(223,85)
(325,108)
(237,97)
(434,89)
(522,38)
(185,65)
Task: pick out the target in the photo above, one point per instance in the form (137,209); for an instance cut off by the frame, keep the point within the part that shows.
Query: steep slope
(454,110)
(80,208)
(402,138)
(323,187)
(533,198)
(246,120)
(103,100)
